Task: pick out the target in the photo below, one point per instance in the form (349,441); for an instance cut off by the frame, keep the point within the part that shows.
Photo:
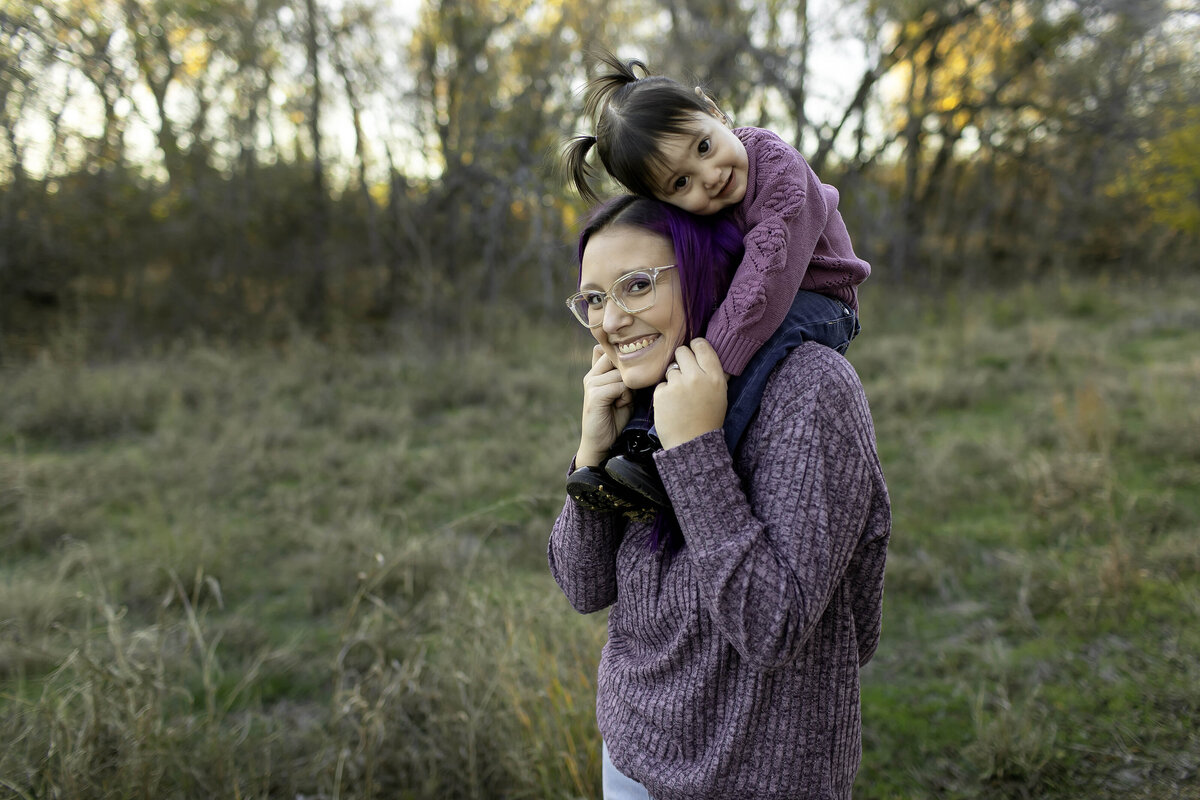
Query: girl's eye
(680,183)
(704,146)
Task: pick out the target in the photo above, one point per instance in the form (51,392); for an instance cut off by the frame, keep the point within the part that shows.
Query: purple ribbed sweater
(731,668)
(795,239)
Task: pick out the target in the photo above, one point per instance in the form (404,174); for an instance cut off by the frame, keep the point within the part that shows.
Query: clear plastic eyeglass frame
(580,305)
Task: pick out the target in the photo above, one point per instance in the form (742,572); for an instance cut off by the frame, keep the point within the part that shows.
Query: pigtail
(578,172)
(631,111)
(601,88)
(599,93)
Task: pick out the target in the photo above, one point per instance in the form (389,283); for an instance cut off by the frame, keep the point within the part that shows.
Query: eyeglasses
(633,292)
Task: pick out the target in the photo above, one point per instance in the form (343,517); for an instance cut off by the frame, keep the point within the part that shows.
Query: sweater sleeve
(784,215)
(582,553)
(814,515)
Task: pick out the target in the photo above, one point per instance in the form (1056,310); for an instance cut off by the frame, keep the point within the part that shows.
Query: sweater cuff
(677,465)
(703,486)
(734,351)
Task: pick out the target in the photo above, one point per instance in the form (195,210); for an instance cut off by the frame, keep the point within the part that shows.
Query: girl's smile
(726,190)
(707,170)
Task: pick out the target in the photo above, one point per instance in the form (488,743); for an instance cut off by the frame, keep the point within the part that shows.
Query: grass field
(305,572)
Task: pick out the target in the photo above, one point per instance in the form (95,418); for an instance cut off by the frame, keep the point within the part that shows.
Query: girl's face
(641,345)
(706,170)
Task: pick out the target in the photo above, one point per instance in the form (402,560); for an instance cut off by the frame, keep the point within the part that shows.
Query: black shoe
(593,489)
(637,443)
(632,465)
(640,477)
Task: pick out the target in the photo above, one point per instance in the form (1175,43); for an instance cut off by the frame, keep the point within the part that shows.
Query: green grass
(306,571)
(1043,584)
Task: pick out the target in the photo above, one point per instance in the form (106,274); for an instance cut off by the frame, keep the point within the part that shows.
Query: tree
(494,85)
(313,311)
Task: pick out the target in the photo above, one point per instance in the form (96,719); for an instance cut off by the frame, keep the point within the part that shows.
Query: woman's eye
(594,300)
(704,146)
(638,284)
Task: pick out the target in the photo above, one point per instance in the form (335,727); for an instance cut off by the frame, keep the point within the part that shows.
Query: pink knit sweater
(731,667)
(795,239)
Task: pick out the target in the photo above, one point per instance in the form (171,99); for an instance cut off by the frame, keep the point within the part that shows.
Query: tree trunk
(314,311)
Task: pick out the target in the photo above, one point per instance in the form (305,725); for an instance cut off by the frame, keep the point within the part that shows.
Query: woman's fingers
(603,381)
(706,356)
(607,406)
(606,387)
(692,400)
(699,355)
(600,376)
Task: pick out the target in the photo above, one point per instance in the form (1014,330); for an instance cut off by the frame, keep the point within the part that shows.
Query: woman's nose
(615,317)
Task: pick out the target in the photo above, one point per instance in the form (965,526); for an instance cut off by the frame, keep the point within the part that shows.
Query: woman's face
(641,345)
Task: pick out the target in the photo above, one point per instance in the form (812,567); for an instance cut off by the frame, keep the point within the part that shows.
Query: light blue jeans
(618,786)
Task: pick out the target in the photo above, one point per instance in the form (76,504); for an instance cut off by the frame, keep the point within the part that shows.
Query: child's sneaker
(594,490)
(632,466)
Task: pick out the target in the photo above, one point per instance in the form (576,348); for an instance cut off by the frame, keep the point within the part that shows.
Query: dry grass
(310,572)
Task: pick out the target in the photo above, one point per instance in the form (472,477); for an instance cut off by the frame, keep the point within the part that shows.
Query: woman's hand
(691,399)
(607,407)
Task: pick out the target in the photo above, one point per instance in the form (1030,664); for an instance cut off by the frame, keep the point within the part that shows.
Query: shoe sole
(591,493)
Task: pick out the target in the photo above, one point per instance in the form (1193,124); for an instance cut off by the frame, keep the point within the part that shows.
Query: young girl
(798,276)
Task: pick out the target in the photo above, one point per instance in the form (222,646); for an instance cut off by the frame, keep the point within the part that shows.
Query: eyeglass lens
(633,293)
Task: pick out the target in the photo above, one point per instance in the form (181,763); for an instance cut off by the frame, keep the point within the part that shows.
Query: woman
(731,667)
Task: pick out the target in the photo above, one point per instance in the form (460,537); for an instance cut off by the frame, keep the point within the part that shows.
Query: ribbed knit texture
(795,239)
(731,668)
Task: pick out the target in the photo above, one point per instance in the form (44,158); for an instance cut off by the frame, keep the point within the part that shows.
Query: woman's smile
(629,349)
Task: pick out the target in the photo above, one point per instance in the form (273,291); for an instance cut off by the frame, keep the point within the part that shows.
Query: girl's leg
(594,488)
(813,317)
(618,786)
(631,462)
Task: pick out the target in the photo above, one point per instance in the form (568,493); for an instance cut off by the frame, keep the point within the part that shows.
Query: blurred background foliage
(235,170)
(250,552)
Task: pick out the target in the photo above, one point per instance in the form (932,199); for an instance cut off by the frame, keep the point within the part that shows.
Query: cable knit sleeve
(812,520)
(582,555)
(783,215)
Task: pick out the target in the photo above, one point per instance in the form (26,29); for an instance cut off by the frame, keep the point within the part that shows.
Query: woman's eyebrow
(625,273)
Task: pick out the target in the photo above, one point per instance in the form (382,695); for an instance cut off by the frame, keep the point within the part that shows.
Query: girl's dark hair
(708,250)
(631,114)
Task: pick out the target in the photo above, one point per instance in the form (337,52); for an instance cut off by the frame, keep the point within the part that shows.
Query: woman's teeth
(634,346)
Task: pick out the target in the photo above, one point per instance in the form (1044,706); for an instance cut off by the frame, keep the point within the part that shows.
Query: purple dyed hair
(707,249)
(707,252)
